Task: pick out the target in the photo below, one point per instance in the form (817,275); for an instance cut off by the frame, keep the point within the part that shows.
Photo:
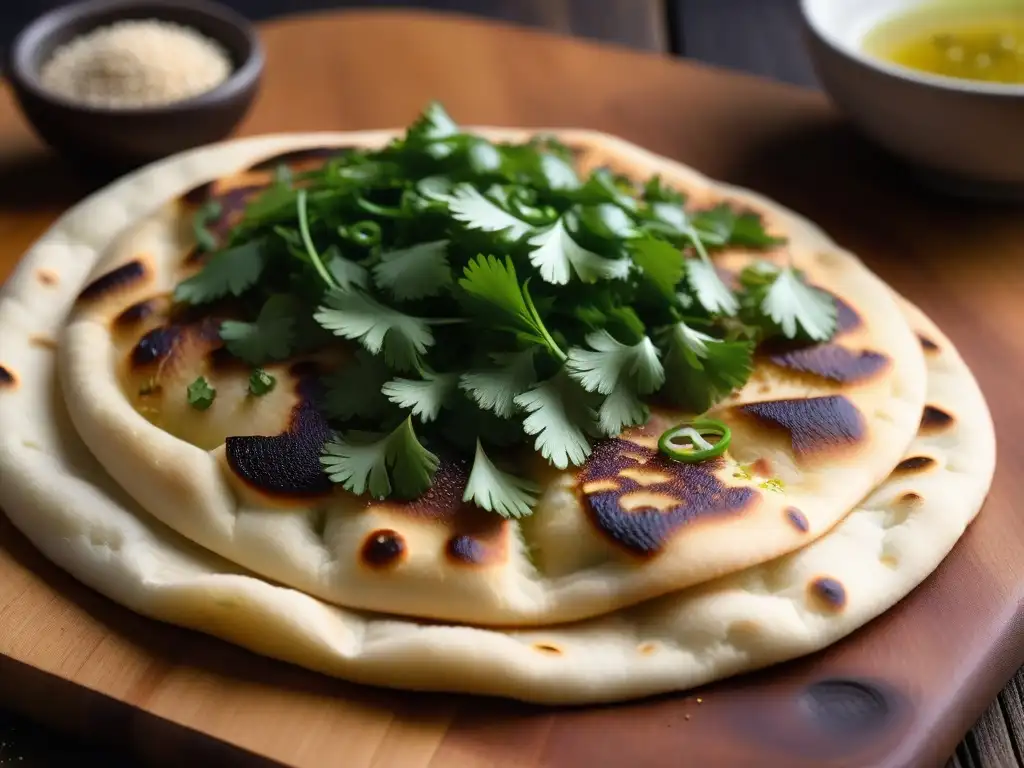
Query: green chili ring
(366,233)
(695,431)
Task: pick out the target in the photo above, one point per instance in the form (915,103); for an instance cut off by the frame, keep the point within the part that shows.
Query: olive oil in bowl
(970,40)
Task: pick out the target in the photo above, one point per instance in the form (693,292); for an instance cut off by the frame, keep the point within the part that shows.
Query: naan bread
(59,496)
(242,479)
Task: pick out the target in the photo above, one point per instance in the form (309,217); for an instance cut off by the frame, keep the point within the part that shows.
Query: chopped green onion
(685,442)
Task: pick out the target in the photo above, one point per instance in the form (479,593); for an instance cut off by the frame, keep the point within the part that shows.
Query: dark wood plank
(757,36)
(962,758)
(990,738)
(1012,700)
(636,23)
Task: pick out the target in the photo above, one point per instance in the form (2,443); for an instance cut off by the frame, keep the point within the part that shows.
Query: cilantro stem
(539,325)
(307,240)
(380,210)
(698,244)
(207,214)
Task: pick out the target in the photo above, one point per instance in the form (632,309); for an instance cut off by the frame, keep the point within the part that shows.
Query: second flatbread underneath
(786,608)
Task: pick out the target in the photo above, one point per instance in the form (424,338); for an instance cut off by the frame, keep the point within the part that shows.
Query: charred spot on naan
(797,519)
(548,648)
(141,311)
(642,517)
(42,341)
(934,419)
(816,426)
(170,345)
(916,464)
(47,277)
(927,344)
(829,361)
(847,319)
(7,378)
(475,537)
(383,549)
(466,549)
(828,593)
(832,362)
(285,465)
(121,280)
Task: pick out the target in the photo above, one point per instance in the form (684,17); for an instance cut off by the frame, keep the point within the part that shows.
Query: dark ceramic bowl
(119,139)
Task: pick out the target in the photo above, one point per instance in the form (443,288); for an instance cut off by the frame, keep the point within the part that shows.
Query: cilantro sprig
(489,302)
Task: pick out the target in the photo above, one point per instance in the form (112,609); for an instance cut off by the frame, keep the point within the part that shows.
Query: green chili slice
(362,233)
(692,433)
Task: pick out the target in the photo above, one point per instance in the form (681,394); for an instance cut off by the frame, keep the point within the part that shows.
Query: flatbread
(829,422)
(57,494)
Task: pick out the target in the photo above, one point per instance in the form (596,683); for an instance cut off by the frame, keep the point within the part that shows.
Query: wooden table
(329,73)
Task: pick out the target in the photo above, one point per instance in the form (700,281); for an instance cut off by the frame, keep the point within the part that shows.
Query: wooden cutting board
(902,691)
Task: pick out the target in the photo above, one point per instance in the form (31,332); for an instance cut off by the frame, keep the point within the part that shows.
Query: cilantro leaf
(383,464)
(701,370)
(559,354)
(261,382)
(346,273)
(271,337)
(795,306)
(355,315)
(494,294)
(608,221)
(609,364)
(661,262)
(426,396)
(496,491)
(433,124)
(200,394)
(621,409)
(711,292)
(474,211)
(415,272)
(557,172)
(559,416)
(655,191)
(354,390)
(496,390)
(724,225)
(540,163)
(556,251)
(466,423)
(209,213)
(603,187)
(229,272)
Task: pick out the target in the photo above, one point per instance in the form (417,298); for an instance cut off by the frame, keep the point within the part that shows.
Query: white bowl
(964,136)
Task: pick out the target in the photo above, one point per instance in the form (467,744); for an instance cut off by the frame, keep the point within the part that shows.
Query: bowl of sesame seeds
(116,84)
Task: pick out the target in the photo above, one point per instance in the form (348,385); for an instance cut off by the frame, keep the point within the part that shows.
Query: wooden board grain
(912,682)
(636,23)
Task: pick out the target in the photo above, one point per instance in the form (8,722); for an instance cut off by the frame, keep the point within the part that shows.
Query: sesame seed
(138,63)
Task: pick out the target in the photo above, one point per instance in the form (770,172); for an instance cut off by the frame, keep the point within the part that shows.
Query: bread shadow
(44,180)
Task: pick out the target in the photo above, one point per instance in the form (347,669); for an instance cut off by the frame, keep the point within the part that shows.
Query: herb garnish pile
(496,300)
